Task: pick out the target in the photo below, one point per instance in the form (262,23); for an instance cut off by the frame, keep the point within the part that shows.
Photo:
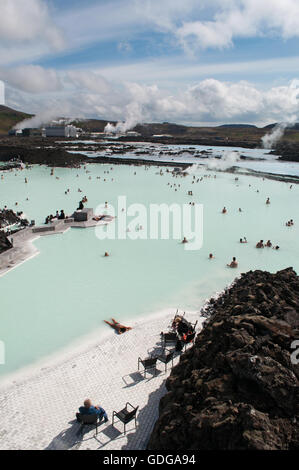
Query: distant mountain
(237,125)
(10,117)
(234,134)
(288,128)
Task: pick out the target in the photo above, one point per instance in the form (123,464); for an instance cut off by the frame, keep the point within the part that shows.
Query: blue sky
(196,61)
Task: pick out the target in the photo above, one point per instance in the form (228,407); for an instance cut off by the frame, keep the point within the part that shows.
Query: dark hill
(237,125)
(10,117)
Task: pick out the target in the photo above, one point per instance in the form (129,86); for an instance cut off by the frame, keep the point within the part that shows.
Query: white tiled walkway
(38,413)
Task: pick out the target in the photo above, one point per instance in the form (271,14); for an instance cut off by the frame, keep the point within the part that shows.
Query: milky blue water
(69,289)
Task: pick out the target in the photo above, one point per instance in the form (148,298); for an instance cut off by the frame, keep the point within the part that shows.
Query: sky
(194,62)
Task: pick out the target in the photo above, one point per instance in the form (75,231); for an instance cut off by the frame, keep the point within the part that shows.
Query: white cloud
(27,31)
(209,100)
(195,24)
(89,80)
(32,78)
(238,19)
(124,46)
(27,20)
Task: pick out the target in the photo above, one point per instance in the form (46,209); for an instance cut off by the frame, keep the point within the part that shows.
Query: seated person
(176,321)
(62,215)
(89,409)
(184,328)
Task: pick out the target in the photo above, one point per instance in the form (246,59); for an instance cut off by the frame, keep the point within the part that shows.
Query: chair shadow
(110,432)
(138,377)
(70,438)
(132,379)
(73,437)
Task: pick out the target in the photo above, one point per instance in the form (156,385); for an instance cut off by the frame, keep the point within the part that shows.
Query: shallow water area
(68,290)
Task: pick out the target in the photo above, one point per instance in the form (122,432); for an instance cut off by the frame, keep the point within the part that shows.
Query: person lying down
(118,327)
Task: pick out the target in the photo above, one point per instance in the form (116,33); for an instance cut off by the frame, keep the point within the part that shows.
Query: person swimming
(268,201)
(118,327)
(224,210)
(260,244)
(184,240)
(269,244)
(234,263)
(211,256)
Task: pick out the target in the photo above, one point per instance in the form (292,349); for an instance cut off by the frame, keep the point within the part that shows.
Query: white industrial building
(61,131)
(2,93)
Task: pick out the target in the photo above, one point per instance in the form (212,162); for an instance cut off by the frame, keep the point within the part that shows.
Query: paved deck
(38,412)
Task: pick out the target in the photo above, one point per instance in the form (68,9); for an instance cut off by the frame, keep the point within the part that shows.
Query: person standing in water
(233,264)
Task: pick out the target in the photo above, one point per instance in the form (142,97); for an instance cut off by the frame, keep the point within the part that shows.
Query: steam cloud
(134,117)
(270,140)
(37,121)
(228,159)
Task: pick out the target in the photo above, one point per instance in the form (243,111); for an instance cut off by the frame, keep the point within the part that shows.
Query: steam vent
(237,388)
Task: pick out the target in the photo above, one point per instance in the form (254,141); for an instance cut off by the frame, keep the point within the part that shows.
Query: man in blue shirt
(89,409)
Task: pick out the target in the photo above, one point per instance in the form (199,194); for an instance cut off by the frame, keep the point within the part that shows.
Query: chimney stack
(2,93)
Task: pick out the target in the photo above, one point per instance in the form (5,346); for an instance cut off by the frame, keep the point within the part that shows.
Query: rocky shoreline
(9,217)
(288,152)
(59,152)
(237,387)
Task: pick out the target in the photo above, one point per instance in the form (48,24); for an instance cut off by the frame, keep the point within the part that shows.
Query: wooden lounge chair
(166,357)
(88,420)
(125,416)
(148,364)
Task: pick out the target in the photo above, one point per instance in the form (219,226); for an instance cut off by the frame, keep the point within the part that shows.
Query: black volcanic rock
(8,217)
(4,242)
(43,156)
(287,151)
(237,388)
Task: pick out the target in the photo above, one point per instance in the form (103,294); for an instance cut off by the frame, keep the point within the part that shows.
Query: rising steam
(270,140)
(134,116)
(228,159)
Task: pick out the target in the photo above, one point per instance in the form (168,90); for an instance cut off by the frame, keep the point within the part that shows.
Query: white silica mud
(66,292)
